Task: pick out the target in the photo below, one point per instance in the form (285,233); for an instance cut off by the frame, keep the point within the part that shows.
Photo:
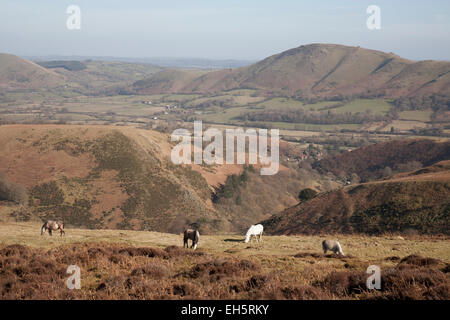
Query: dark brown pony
(53,226)
(192,234)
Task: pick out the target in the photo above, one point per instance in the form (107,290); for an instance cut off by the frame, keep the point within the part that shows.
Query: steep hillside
(326,70)
(122,177)
(417,202)
(101,177)
(371,161)
(18,73)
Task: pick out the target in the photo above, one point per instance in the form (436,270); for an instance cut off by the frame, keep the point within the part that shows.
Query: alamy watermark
(374,280)
(74,20)
(213,153)
(374,20)
(74,281)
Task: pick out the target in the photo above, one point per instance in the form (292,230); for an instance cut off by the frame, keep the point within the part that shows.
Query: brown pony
(51,225)
(192,234)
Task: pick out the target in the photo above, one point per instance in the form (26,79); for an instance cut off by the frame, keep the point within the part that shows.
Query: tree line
(313,117)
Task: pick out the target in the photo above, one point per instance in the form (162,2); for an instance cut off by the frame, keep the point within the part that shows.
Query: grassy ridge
(417,207)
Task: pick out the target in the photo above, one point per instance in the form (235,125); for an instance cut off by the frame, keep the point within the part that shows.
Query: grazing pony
(254,230)
(332,245)
(51,225)
(192,234)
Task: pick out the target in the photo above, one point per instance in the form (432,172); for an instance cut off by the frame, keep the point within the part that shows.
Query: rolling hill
(123,178)
(101,177)
(17,73)
(415,202)
(323,70)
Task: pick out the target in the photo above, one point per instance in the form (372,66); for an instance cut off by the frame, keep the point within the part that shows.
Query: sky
(233,29)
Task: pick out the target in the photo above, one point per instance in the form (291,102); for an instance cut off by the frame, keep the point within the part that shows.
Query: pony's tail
(197,235)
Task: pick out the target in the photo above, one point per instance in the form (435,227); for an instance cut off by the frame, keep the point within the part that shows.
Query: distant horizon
(128,57)
(100,57)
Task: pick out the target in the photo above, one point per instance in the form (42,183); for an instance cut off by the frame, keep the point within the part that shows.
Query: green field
(376,106)
(280,103)
(416,115)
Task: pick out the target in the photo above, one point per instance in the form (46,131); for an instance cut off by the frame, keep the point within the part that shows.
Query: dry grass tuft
(303,293)
(345,283)
(219,268)
(419,261)
(147,252)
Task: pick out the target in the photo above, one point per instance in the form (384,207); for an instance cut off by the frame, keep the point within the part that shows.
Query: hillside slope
(327,70)
(18,73)
(417,202)
(123,178)
(369,162)
(166,81)
(103,177)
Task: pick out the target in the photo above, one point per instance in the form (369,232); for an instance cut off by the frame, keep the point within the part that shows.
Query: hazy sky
(233,29)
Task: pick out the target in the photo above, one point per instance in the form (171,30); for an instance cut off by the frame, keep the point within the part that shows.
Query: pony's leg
(50,231)
(62,232)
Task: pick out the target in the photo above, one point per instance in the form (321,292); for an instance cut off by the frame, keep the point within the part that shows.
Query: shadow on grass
(233,240)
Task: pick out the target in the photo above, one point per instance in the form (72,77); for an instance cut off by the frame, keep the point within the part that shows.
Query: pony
(254,230)
(192,234)
(51,225)
(332,245)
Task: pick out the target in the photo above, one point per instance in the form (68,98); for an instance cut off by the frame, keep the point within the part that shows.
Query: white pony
(332,245)
(254,230)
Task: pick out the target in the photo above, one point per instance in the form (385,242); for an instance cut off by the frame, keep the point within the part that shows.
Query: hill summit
(324,70)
